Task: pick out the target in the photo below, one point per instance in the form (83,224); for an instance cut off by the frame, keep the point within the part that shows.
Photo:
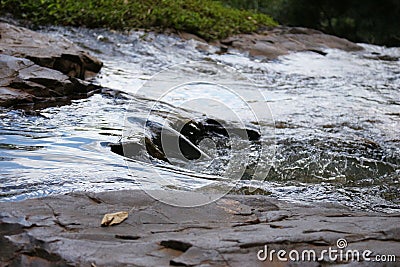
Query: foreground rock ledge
(65,231)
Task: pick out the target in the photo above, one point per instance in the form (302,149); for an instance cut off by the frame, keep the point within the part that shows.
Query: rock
(177,245)
(189,36)
(10,97)
(24,82)
(190,135)
(383,57)
(42,70)
(47,51)
(197,256)
(272,43)
(64,231)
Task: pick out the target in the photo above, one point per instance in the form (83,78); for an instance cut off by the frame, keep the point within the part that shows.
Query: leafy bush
(206,18)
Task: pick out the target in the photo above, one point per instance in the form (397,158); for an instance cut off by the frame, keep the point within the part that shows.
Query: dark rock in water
(192,130)
(42,70)
(46,51)
(196,131)
(383,57)
(117,148)
(189,139)
(24,82)
(322,53)
(154,150)
(214,127)
(132,149)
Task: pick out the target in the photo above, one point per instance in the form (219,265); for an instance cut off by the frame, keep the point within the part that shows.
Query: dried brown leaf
(114,218)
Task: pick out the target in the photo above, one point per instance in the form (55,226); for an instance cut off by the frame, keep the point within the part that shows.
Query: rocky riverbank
(65,231)
(278,41)
(39,69)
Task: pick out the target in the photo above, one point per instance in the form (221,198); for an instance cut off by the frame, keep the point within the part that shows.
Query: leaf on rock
(114,218)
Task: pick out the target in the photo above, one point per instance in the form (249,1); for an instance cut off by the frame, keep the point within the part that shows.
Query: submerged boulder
(189,137)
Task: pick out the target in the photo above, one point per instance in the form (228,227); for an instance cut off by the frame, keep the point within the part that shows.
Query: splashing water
(337,121)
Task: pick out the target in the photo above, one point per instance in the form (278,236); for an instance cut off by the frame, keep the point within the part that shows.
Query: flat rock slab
(65,231)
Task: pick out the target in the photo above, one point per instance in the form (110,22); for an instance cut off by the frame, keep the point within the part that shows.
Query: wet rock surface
(189,137)
(272,43)
(65,231)
(46,51)
(37,68)
(24,82)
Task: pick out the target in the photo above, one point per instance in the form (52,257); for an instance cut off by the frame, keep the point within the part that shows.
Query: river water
(336,134)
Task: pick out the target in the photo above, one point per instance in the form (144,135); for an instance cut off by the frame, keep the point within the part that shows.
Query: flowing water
(336,134)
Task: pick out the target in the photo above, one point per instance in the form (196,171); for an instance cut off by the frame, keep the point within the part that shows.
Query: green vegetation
(369,21)
(206,18)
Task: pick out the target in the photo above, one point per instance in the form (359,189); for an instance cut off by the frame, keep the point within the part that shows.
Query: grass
(206,18)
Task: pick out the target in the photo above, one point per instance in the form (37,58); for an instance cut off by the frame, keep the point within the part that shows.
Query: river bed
(336,135)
